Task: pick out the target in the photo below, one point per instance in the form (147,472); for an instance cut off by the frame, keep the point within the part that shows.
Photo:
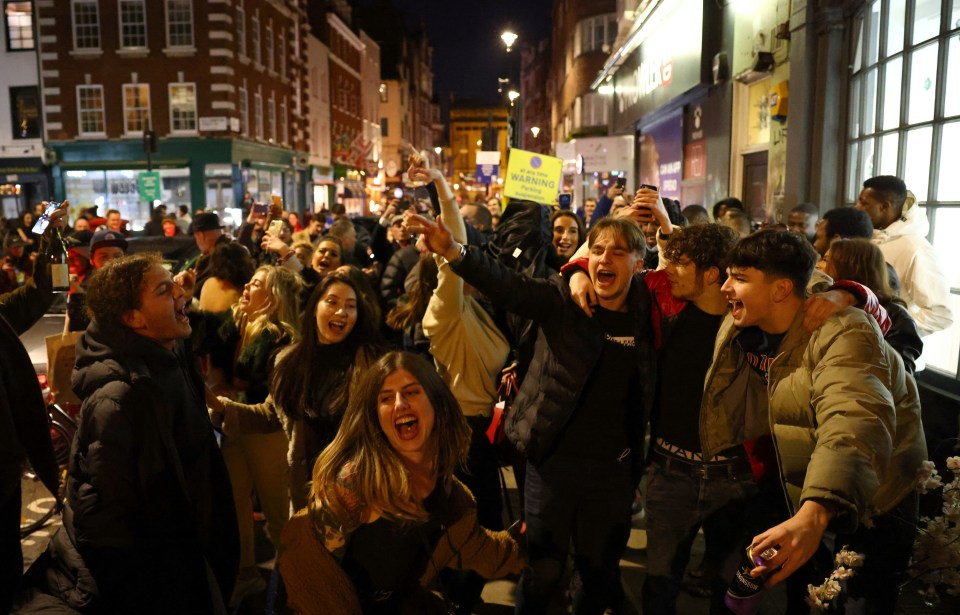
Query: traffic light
(149,141)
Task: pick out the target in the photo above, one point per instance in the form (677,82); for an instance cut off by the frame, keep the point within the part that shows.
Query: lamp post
(513,123)
(508,38)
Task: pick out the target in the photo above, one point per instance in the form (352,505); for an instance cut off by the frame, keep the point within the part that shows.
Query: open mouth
(564,246)
(606,278)
(407,426)
(736,308)
(338,327)
(181,314)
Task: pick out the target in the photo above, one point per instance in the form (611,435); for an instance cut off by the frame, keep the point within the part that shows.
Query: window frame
(258,116)
(30,28)
(240,17)
(174,108)
(169,25)
(268,42)
(255,40)
(81,110)
(14,93)
(864,145)
(244,110)
(586,29)
(77,37)
(272,119)
(126,109)
(121,24)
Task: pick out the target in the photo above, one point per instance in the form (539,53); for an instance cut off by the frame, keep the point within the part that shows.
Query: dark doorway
(755,186)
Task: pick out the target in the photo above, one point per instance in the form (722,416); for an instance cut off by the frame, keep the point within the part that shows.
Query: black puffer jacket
(903,334)
(149,504)
(567,349)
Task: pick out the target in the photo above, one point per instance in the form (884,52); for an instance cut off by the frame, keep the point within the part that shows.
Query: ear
(711,275)
(638,266)
(782,289)
(134,319)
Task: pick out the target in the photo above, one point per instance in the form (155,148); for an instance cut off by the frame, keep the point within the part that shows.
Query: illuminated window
(90,110)
(183,107)
(19,19)
(136,108)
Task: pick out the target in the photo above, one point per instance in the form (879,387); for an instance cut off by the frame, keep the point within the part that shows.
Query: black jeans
(586,502)
(11,556)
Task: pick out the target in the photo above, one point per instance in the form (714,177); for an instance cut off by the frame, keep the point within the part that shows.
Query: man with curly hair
(148,499)
(684,490)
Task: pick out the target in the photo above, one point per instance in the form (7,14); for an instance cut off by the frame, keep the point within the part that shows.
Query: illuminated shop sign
(675,54)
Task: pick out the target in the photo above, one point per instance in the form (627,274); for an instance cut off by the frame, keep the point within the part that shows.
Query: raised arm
(525,296)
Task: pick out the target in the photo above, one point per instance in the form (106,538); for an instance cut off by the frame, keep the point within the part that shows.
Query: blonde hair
(280,315)
(378,477)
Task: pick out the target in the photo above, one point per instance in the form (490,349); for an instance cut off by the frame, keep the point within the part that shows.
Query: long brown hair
(381,481)
(861,261)
(410,312)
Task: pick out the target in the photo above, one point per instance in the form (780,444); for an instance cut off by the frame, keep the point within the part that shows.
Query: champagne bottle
(55,258)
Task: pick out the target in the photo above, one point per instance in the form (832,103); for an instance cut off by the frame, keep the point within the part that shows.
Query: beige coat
(844,414)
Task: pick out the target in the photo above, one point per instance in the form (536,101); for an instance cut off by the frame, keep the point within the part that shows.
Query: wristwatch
(461,256)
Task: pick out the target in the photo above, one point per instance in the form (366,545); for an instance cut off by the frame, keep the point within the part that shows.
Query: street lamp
(438,150)
(508,38)
(535,130)
(513,95)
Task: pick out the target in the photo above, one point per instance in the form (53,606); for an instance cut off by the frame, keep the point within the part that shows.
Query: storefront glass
(906,96)
(119,189)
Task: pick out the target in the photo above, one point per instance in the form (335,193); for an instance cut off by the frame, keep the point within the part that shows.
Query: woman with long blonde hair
(385,503)
(242,343)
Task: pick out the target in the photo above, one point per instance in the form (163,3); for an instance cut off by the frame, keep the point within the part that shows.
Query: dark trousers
(11,557)
(584,502)
(677,505)
(482,478)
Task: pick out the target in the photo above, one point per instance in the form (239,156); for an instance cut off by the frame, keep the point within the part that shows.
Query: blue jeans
(677,505)
(588,503)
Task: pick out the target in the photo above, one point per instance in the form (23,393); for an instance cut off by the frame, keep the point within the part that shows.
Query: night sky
(468,54)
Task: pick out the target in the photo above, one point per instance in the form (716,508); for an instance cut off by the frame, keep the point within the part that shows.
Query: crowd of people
(339,379)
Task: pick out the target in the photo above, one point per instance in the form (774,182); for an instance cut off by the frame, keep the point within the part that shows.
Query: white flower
(953,464)
(927,477)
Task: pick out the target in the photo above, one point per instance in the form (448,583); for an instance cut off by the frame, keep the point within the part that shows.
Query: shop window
(255,38)
(258,115)
(179,23)
(90,110)
(18,17)
(86,25)
(241,24)
(136,108)
(384,127)
(904,115)
(133,24)
(183,107)
(25,112)
(591,110)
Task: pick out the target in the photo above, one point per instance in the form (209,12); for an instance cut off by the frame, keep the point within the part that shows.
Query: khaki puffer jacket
(844,414)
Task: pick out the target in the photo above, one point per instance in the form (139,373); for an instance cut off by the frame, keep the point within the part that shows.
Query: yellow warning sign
(534,177)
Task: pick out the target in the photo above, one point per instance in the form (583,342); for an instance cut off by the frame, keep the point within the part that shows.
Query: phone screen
(260,208)
(621,182)
(44,220)
(564,201)
(275,228)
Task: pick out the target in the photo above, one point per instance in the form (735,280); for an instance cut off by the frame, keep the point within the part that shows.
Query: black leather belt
(734,469)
